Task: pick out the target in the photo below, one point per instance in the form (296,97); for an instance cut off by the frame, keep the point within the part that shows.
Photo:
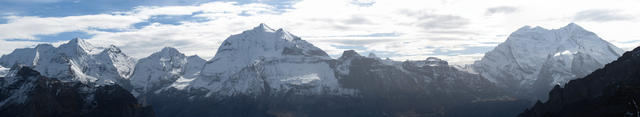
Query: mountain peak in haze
(529,54)
(572,26)
(349,54)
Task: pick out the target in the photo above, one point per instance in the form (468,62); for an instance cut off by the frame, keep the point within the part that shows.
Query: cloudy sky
(459,31)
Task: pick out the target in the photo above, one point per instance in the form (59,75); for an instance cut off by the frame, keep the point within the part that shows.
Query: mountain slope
(610,91)
(24,93)
(76,60)
(532,60)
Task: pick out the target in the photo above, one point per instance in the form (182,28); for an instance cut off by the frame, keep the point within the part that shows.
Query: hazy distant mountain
(612,91)
(532,60)
(25,93)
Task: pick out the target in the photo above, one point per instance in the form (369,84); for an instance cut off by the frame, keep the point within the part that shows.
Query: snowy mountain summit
(266,60)
(260,43)
(164,69)
(538,58)
(76,60)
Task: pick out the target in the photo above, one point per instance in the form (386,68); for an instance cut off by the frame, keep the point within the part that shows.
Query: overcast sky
(459,31)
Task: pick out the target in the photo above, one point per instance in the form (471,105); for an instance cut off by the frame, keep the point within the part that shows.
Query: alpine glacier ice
(3,71)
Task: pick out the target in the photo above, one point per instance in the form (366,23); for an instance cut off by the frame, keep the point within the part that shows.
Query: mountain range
(271,72)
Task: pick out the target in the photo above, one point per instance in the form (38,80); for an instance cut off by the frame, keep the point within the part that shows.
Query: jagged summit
(163,69)
(79,46)
(372,55)
(168,51)
(572,25)
(277,57)
(264,30)
(435,61)
(349,54)
(262,27)
(569,28)
(112,49)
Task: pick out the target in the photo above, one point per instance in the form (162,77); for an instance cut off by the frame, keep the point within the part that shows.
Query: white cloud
(501,9)
(600,15)
(28,27)
(419,28)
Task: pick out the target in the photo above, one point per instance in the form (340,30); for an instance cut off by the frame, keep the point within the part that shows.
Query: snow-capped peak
(79,46)
(262,27)
(276,57)
(434,61)
(260,43)
(164,69)
(573,26)
(519,60)
(112,49)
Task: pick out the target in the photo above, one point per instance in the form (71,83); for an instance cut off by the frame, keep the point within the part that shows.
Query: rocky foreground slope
(25,93)
(612,91)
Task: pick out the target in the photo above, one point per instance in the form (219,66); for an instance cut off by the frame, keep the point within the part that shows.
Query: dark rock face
(425,88)
(612,91)
(28,94)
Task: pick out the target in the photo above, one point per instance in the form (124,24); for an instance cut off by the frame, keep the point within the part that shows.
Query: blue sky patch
(58,37)
(61,8)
